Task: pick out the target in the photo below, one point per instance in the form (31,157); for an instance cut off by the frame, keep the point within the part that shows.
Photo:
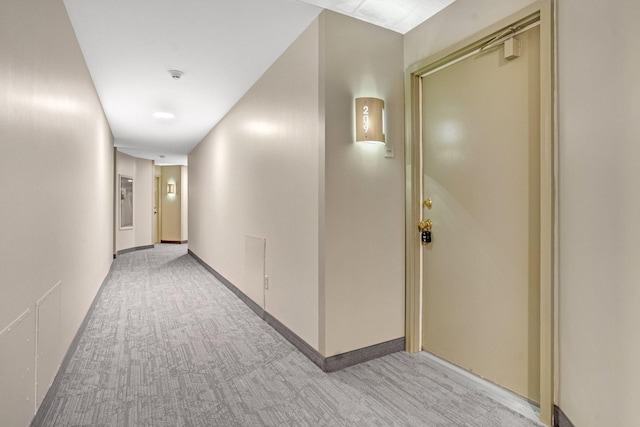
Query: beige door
(480,124)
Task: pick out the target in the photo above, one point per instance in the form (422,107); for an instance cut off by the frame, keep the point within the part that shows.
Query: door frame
(157,183)
(541,10)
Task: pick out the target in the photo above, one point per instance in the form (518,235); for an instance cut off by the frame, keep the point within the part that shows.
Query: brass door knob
(425,225)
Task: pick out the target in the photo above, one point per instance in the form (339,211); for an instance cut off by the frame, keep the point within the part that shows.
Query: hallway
(168,345)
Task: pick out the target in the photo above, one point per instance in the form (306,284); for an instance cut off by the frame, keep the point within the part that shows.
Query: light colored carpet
(168,345)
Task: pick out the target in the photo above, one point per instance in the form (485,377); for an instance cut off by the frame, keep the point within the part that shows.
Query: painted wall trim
(560,419)
(137,248)
(44,407)
(327,364)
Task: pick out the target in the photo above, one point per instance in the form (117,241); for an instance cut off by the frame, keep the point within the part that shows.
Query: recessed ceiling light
(163,115)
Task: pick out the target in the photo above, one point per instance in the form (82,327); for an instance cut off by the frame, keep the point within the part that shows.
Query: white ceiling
(222,46)
(398,15)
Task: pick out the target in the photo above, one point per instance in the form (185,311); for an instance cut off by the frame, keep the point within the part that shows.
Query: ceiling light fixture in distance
(163,115)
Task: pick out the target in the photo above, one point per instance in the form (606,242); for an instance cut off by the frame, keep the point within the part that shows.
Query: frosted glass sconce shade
(370,120)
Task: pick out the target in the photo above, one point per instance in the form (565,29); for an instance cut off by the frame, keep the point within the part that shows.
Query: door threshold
(493,391)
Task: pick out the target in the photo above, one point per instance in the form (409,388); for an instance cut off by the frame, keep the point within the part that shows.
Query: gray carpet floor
(169,345)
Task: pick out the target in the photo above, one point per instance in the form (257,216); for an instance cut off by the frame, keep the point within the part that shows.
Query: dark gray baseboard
(327,364)
(302,346)
(341,361)
(41,414)
(560,419)
(177,242)
(137,248)
(248,301)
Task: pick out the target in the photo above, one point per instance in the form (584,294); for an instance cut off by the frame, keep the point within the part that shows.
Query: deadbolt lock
(425,231)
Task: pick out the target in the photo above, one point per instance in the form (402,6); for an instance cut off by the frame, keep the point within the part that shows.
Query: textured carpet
(168,345)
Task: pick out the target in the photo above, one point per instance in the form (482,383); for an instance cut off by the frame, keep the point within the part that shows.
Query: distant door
(156,210)
(481,295)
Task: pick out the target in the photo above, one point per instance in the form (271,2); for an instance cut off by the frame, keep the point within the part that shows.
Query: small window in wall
(126,202)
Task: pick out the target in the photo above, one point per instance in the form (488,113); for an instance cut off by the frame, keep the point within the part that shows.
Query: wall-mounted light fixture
(171,188)
(370,120)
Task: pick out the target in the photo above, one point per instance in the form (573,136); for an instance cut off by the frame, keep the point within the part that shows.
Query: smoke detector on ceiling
(176,74)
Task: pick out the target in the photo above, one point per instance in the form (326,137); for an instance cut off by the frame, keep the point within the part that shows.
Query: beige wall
(157,173)
(363,286)
(599,301)
(184,203)
(174,220)
(142,172)
(56,169)
(256,173)
(283,165)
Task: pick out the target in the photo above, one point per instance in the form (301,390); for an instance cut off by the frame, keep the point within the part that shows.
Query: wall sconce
(370,120)
(171,188)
